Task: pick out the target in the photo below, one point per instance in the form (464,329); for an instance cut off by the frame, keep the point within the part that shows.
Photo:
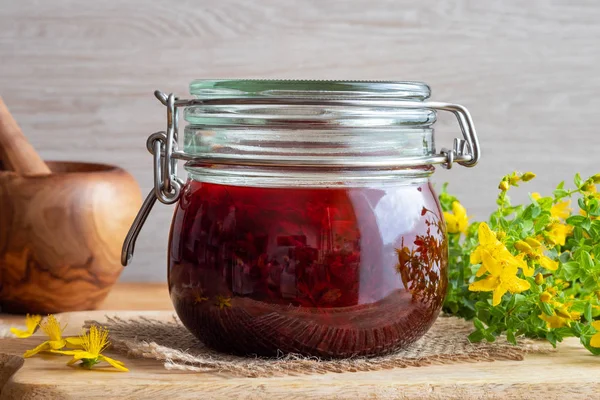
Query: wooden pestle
(16,153)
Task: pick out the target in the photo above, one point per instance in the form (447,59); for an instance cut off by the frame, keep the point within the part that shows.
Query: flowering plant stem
(532,269)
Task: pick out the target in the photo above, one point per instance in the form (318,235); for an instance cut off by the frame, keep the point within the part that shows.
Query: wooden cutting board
(569,373)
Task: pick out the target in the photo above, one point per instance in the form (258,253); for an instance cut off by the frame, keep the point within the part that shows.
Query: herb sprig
(532,269)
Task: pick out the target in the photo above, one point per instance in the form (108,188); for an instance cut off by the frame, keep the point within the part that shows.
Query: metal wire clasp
(167,185)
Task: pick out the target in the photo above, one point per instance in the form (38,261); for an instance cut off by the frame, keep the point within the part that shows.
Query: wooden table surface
(125,296)
(571,372)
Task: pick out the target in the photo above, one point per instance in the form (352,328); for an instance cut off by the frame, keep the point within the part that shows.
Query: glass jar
(307,223)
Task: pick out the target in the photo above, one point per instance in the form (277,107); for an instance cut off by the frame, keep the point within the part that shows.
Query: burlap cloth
(170,342)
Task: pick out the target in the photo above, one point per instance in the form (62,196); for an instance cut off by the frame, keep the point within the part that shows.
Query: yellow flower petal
(536,196)
(595,341)
(21,334)
(31,324)
(486,235)
(561,210)
(492,265)
(74,342)
(498,293)
(115,363)
(554,321)
(42,347)
(520,262)
(77,354)
(516,284)
(451,222)
(548,263)
(557,233)
(481,271)
(596,325)
(57,344)
(475,257)
(485,285)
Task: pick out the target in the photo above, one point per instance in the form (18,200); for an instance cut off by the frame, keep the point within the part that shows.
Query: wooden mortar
(61,236)
(62,225)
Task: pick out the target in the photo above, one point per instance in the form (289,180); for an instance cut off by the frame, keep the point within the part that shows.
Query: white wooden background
(79,76)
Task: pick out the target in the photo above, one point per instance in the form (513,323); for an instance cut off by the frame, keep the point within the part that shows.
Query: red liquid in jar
(328,272)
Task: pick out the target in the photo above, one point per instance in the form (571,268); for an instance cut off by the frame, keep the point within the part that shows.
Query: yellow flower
(591,190)
(595,342)
(527,176)
(56,342)
(555,321)
(502,278)
(561,317)
(503,186)
(545,297)
(93,343)
(31,324)
(557,233)
(457,221)
(535,251)
(539,279)
(487,241)
(222,302)
(536,196)
(561,210)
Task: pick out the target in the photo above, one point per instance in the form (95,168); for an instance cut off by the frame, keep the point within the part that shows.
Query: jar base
(253,328)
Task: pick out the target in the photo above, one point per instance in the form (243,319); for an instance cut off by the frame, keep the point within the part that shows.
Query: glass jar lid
(284,103)
(287,123)
(236,88)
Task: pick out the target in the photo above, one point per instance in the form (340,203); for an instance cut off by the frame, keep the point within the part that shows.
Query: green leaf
(510,337)
(570,270)
(476,336)
(546,309)
(478,324)
(582,204)
(578,181)
(560,193)
(576,220)
(527,225)
(489,336)
(541,222)
(576,328)
(588,312)
(590,283)
(586,261)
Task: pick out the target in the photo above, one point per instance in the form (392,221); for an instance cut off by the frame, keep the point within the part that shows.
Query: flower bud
(503,186)
(595,178)
(514,179)
(562,312)
(527,176)
(523,247)
(545,297)
(589,188)
(500,235)
(534,243)
(539,279)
